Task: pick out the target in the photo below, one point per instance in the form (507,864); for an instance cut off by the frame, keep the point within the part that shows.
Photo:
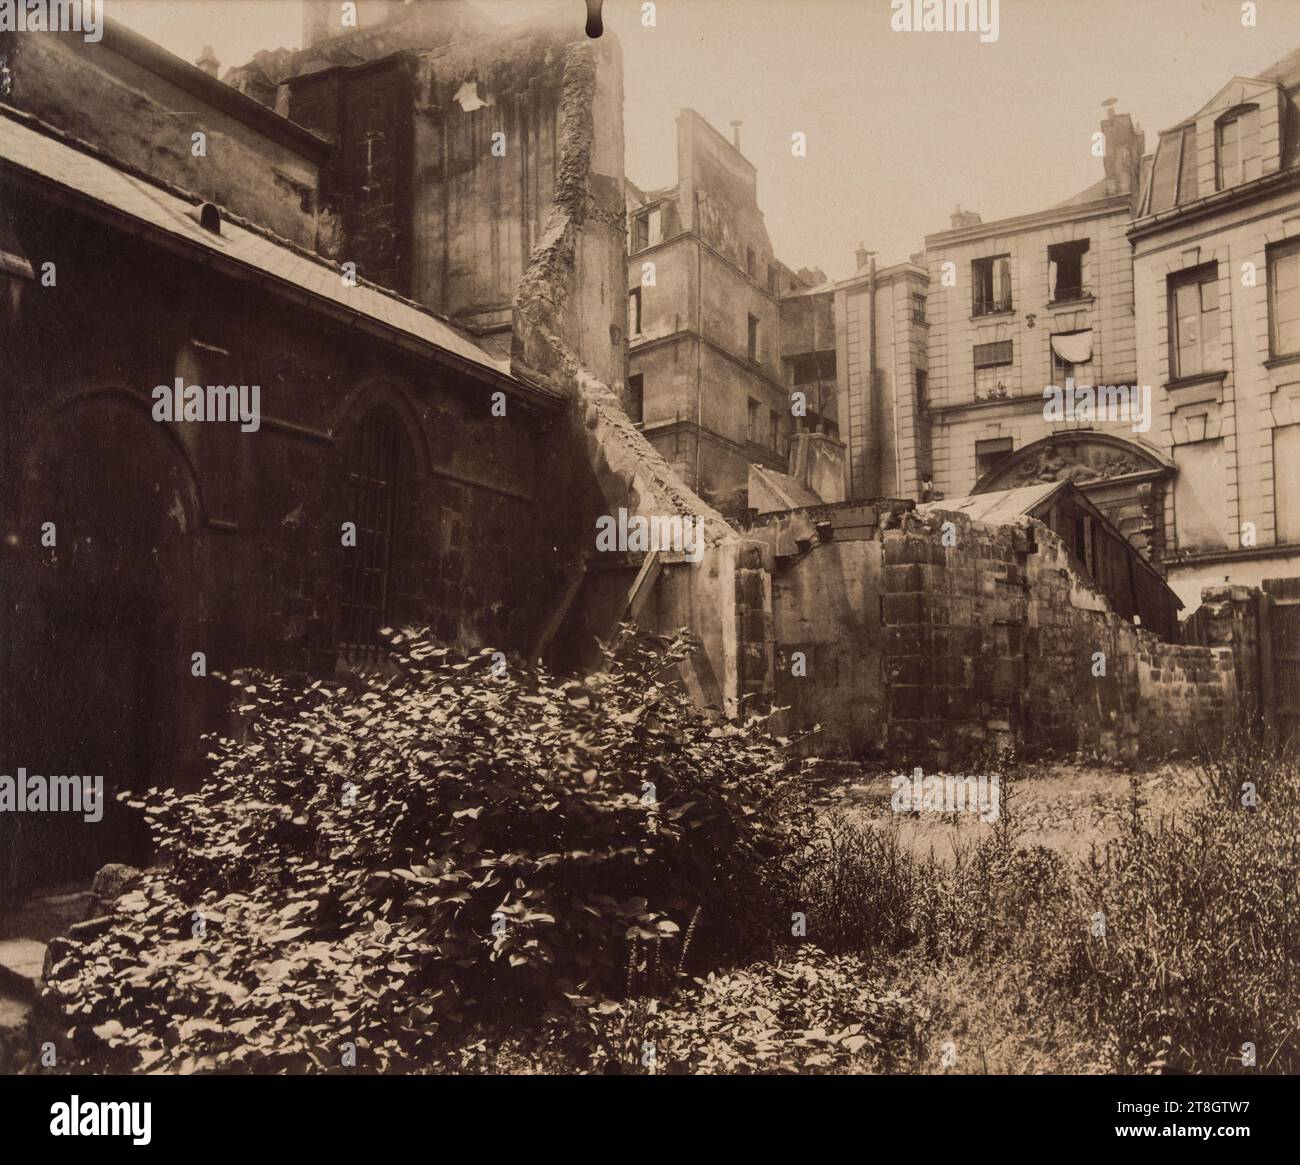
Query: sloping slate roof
(52,157)
(1173,184)
(1001,506)
(1088,194)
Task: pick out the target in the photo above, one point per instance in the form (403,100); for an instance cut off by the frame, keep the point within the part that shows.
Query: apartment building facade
(705,375)
(872,357)
(1019,305)
(1216,261)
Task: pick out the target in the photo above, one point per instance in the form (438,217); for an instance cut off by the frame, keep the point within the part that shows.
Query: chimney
(735,134)
(319,21)
(208,61)
(1125,145)
(964,218)
(860,256)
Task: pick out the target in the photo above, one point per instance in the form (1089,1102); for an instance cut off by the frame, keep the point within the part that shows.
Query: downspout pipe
(872,411)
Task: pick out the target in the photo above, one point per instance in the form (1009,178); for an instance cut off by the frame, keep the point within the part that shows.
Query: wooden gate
(1284,643)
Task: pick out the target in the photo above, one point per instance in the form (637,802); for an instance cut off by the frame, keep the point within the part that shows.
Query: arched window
(376,458)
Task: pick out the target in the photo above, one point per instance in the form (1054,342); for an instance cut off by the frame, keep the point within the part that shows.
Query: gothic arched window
(376,460)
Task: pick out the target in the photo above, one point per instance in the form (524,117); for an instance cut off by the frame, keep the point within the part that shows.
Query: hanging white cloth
(1075,348)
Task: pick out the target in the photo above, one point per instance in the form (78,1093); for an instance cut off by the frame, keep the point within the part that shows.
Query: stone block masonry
(934,639)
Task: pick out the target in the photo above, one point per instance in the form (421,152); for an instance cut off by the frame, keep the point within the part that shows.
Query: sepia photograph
(586,538)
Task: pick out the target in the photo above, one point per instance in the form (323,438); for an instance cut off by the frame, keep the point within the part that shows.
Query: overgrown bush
(375,868)
(809,1012)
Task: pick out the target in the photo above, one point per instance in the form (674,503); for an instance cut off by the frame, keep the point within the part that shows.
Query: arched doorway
(1126,480)
(99,672)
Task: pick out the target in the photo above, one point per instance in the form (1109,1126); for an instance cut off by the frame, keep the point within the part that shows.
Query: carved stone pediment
(1076,462)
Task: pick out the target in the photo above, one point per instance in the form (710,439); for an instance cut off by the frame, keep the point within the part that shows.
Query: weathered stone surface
(22,963)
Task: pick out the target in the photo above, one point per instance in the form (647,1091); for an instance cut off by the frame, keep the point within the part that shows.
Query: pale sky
(900,126)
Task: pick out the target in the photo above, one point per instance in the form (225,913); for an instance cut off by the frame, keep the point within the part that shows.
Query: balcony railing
(991,307)
(1070,294)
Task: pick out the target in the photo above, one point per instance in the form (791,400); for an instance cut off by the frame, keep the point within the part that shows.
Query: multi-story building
(882,334)
(736,360)
(705,376)
(1039,300)
(1216,262)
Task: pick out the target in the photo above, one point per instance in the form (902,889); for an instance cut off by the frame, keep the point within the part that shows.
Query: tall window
(993,370)
(1284,298)
(1237,158)
(756,422)
(636,398)
(373,497)
(634,312)
(991,285)
(773,429)
(753,337)
(1065,270)
(1194,321)
(640,231)
(918,308)
(1072,365)
(922,389)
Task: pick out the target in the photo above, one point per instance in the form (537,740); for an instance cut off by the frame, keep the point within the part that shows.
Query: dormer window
(1236,147)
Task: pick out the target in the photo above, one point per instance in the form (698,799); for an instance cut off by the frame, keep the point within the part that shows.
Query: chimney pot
(735,133)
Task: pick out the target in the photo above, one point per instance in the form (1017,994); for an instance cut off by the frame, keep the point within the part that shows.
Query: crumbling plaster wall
(511,171)
(567,334)
(141,119)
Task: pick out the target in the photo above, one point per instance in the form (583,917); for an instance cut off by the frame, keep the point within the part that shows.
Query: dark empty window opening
(749,262)
(1065,271)
(636,398)
(634,312)
(991,285)
(991,453)
(755,422)
(640,232)
(373,488)
(753,337)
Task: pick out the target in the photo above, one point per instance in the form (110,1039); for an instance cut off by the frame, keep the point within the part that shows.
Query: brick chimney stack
(964,218)
(1125,145)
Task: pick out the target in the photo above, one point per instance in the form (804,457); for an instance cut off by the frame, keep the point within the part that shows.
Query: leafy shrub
(811,1013)
(384,864)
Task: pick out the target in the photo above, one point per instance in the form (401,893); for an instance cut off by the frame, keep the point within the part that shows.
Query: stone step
(22,963)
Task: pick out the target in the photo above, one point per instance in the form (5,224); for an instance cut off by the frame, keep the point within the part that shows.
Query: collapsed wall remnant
(933,636)
(568,309)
